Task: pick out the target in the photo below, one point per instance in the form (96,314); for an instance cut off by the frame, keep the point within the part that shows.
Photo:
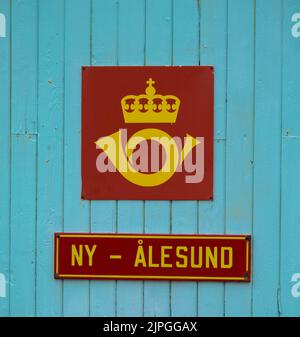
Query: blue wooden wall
(257,150)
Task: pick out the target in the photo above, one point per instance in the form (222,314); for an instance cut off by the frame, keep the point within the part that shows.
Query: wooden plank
(157,293)
(131,33)
(23,225)
(157,213)
(184,213)
(24,61)
(50,153)
(158,32)
(239,139)
(23,158)
(213,51)
(290,162)
(130,293)
(184,294)
(185,32)
(103,213)
(267,148)
(104,32)
(76,211)
(5,168)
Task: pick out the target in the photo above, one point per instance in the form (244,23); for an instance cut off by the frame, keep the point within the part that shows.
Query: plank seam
(36,152)
(10,156)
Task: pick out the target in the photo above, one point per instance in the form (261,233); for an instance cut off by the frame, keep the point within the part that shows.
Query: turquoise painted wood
(256,150)
(23,180)
(239,137)
(76,297)
(267,150)
(5,162)
(50,156)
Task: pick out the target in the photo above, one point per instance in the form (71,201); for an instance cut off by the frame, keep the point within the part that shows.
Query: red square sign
(147,133)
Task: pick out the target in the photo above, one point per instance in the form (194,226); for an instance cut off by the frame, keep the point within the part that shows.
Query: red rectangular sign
(147,132)
(156,257)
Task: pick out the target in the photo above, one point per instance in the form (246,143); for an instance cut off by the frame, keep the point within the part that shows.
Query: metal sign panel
(147,133)
(156,257)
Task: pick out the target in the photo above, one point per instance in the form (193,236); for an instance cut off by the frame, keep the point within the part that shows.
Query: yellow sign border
(109,277)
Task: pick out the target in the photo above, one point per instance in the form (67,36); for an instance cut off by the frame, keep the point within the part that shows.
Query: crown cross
(150,82)
(150,107)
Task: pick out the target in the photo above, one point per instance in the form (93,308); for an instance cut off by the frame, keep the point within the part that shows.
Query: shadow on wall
(2,286)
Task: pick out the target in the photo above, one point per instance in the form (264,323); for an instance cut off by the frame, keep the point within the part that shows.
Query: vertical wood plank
(158,32)
(131,213)
(24,60)
(213,51)
(104,32)
(23,147)
(157,293)
(290,161)
(130,293)
(5,85)
(184,294)
(185,32)
(76,211)
(157,213)
(239,141)
(267,148)
(184,213)
(103,213)
(50,153)
(23,225)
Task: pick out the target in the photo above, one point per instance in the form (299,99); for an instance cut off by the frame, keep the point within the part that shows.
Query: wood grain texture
(267,149)
(239,138)
(23,158)
(76,211)
(50,157)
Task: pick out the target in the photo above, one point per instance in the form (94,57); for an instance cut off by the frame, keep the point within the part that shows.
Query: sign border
(246,237)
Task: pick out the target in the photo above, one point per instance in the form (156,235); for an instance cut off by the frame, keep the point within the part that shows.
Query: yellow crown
(150,107)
